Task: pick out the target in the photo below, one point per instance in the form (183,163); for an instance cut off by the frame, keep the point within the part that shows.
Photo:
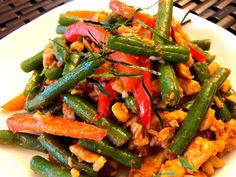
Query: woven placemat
(220,12)
(16,13)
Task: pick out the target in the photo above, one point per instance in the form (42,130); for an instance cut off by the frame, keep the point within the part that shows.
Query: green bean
(221,74)
(46,168)
(232,109)
(114,18)
(32,87)
(187,105)
(66,19)
(60,49)
(63,155)
(197,111)
(164,18)
(137,47)
(131,103)
(53,72)
(231,103)
(209,58)
(193,119)
(73,61)
(121,155)
(204,44)
(85,111)
(61,29)
(170,91)
(32,63)
(24,140)
(201,71)
(224,112)
(203,74)
(64,83)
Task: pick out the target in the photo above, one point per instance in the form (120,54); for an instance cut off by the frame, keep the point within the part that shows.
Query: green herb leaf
(110,26)
(134,66)
(183,22)
(167,173)
(106,74)
(98,44)
(185,164)
(152,104)
(167,41)
(99,86)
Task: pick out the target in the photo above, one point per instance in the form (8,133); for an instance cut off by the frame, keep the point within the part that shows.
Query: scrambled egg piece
(200,150)
(208,120)
(189,86)
(176,115)
(150,165)
(173,166)
(183,71)
(213,162)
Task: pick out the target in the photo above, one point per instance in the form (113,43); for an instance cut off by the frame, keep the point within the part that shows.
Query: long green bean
(32,63)
(204,44)
(164,18)
(133,46)
(193,119)
(24,140)
(62,154)
(121,155)
(32,87)
(86,111)
(170,91)
(45,168)
(64,83)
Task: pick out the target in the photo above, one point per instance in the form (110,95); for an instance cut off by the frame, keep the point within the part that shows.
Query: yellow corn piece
(74,172)
(77,46)
(100,162)
(120,111)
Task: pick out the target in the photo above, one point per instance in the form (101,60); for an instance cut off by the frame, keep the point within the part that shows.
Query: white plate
(26,41)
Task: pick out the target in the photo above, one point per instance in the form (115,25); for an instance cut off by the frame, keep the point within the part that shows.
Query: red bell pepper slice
(128,83)
(144,33)
(129,12)
(54,125)
(104,102)
(143,101)
(122,8)
(197,55)
(81,29)
(146,18)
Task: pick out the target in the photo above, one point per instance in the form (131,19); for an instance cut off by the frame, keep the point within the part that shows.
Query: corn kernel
(99,163)
(77,46)
(120,111)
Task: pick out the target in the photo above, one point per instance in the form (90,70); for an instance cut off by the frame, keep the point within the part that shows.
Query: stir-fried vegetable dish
(124,91)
